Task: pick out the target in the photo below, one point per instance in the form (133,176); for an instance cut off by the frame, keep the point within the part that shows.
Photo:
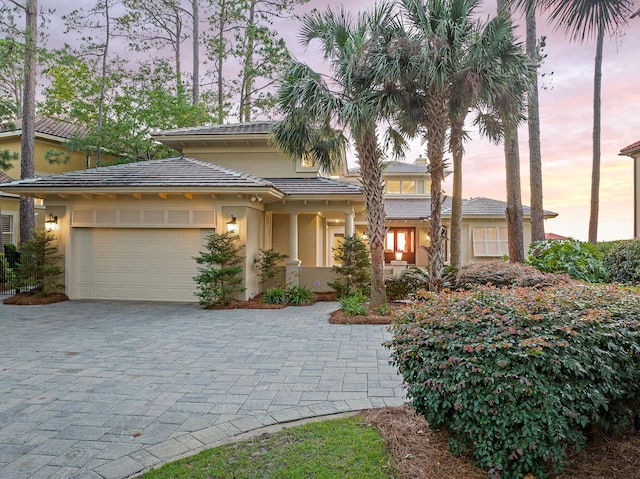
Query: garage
(145,264)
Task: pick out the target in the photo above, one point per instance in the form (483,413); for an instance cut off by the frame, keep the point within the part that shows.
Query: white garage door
(136,263)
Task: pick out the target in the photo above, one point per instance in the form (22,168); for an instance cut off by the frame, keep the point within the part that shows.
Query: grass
(344,448)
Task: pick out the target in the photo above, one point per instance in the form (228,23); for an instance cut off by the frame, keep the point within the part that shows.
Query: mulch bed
(256,302)
(417,451)
(31,299)
(338,316)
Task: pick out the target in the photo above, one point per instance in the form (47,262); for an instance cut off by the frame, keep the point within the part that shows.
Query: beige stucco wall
(467,237)
(259,161)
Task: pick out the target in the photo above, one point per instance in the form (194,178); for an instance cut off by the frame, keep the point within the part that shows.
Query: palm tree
(320,111)
(492,64)
(581,20)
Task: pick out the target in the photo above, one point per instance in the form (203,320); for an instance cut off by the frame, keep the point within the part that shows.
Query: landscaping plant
(289,294)
(219,274)
(355,304)
(39,270)
(267,262)
(504,273)
(519,376)
(579,259)
(622,261)
(353,269)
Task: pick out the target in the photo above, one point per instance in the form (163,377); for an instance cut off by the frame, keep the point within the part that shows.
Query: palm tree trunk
(456,198)
(535,157)
(595,169)
(370,160)
(514,196)
(27,167)
(437,103)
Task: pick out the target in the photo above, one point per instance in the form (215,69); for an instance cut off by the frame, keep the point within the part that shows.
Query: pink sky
(566,124)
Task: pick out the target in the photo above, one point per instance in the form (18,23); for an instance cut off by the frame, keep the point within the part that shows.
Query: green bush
(622,261)
(354,304)
(289,294)
(579,259)
(274,296)
(298,295)
(40,269)
(504,273)
(6,273)
(219,278)
(267,263)
(353,269)
(518,376)
(407,283)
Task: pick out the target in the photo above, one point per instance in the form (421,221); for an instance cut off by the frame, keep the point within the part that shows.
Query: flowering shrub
(518,375)
(622,260)
(503,273)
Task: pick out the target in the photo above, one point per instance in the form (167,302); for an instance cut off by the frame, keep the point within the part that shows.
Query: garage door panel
(136,264)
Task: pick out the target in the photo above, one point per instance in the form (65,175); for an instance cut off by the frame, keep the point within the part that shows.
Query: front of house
(130,232)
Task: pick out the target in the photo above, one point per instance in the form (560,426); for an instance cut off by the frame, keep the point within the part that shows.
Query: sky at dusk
(566,99)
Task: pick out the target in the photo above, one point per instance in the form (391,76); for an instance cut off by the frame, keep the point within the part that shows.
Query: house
(131,231)
(51,155)
(633,151)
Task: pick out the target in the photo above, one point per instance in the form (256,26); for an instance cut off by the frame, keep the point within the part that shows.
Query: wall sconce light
(257,198)
(51,224)
(232,226)
(398,255)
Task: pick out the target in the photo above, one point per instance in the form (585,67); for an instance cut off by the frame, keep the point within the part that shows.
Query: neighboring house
(9,207)
(51,155)
(131,231)
(633,150)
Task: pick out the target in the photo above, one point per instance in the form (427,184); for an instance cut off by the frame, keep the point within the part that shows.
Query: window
(400,240)
(8,229)
(409,186)
(490,241)
(393,186)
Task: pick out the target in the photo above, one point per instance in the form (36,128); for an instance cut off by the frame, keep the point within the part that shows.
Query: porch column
(293,264)
(349,223)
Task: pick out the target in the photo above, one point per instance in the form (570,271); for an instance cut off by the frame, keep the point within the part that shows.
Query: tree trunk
(247,69)
(370,160)
(27,166)
(437,104)
(514,197)
(595,169)
(103,82)
(535,157)
(196,52)
(220,59)
(456,199)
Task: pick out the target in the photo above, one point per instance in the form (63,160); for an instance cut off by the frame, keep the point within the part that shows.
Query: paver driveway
(94,389)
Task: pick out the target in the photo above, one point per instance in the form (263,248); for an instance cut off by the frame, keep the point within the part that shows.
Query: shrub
(6,273)
(518,375)
(622,261)
(298,295)
(579,259)
(407,283)
(219,278)
(503,273)
(275,295)
(354,304)
(39,269)
(289,294)
(267,263)
(354,268)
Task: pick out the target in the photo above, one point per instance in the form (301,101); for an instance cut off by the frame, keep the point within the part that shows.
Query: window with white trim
(490,241)
(8,228)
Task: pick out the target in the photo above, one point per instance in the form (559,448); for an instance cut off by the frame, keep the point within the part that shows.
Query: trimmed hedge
(518,376)
(504,273)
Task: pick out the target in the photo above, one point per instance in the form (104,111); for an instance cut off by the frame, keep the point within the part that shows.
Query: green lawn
(340,448)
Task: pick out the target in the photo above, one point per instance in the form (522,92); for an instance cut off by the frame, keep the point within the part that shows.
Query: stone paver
(92,389)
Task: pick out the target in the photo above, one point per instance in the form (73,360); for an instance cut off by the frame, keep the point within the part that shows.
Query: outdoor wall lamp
(51,224)
(232,226)
(398,255)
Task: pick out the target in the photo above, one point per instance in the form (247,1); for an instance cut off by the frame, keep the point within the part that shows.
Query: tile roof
(168,172)
(632,146)
(48,126)
(420,208)
(252,128)
(396,167)
(314,186)
(4,178)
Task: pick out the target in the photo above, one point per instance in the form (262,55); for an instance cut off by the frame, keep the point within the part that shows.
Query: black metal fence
(7,268)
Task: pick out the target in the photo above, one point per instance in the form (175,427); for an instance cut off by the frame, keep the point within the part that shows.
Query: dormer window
(397,187)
